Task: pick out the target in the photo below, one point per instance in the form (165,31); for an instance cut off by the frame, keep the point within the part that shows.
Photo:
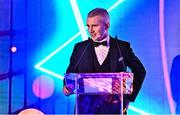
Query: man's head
(98,23)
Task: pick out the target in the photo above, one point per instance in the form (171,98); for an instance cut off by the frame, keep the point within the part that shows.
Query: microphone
(73,70)
(81,56)
(120,54)
(116,96)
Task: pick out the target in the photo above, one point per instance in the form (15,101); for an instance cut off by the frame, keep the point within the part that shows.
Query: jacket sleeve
(72,67)
(139,72)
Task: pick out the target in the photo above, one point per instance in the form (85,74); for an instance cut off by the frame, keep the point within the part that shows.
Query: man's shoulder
(119,41)
(177,58)
(83,43)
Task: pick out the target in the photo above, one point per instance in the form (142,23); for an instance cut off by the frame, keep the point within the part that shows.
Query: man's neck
(104,38)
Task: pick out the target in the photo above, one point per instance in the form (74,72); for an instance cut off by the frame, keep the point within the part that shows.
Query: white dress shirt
(102,51)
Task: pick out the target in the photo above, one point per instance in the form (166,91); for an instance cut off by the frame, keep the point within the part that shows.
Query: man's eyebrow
(92,25)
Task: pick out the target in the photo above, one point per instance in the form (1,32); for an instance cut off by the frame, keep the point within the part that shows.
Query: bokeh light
(43,87)
(13,49)
(31,111)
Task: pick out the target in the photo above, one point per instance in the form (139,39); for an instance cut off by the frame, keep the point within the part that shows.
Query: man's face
(97,28)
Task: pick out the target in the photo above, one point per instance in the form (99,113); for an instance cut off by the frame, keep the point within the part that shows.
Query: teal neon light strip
(79,19)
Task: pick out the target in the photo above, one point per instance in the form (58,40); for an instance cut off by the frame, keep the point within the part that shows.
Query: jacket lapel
(113,55)
(90,57)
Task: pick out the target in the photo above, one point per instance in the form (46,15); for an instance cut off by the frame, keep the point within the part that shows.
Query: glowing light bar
(114,5)
(79,19)
(164,57)
(37,66)
(51,73)
(138,110)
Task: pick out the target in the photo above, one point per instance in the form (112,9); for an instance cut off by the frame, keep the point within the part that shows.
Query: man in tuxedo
(103,53)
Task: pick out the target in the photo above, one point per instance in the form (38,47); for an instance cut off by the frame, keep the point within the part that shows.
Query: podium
(116,84)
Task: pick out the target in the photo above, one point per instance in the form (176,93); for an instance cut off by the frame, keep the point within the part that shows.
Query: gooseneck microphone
(120,54)
(80,57)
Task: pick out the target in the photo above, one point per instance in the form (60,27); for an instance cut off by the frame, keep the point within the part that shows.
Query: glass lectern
(99,83)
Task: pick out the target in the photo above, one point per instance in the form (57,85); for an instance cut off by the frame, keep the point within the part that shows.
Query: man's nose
(91,30)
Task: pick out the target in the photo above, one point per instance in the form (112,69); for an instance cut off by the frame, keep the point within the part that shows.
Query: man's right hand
(67,90)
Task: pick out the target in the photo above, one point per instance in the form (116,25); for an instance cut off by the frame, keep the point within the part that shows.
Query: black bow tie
(96,44)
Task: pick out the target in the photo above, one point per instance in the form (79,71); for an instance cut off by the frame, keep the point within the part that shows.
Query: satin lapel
(113,55)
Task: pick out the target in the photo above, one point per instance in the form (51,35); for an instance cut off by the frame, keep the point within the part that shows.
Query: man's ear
(107,25)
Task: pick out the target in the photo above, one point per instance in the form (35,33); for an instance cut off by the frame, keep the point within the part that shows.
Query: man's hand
(117,89)
(68,90)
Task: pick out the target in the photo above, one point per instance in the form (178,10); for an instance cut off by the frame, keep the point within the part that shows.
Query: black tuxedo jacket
(121,57)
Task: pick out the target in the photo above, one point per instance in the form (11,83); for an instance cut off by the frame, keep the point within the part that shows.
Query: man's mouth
(93,35)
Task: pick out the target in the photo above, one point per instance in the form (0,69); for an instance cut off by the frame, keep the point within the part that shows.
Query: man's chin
(96,38)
